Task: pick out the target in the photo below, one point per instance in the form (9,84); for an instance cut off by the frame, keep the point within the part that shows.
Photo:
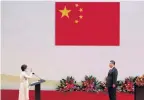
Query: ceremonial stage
(54,95)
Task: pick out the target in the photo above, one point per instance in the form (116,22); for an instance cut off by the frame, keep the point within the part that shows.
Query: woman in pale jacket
(24,85)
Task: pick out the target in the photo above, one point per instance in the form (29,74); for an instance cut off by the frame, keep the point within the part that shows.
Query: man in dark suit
(111,80)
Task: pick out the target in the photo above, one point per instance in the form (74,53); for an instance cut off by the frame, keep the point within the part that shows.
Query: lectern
(37,85)
(139,92)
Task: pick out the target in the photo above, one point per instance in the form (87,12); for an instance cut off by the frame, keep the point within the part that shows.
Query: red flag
(96,23)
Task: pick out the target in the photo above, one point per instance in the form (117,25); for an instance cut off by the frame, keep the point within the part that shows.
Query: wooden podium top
(37,82)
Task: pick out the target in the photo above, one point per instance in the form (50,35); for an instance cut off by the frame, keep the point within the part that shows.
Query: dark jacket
(112,77)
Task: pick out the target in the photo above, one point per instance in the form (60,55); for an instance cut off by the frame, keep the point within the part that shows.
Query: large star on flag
(65,12)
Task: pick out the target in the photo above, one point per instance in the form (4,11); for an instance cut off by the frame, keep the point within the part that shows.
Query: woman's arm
(28,76)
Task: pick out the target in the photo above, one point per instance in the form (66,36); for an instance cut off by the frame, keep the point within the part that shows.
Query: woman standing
(24,85)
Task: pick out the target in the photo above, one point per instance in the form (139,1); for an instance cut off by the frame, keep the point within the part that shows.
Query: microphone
(36,75)
(40,79)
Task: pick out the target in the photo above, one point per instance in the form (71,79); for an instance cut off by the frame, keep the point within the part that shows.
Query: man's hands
(113,85)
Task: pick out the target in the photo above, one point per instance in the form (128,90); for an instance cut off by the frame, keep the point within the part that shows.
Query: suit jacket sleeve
(115,77)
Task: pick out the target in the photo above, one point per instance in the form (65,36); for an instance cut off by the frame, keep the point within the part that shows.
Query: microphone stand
(38,77)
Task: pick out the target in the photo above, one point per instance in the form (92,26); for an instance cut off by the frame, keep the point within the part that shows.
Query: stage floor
(54,95)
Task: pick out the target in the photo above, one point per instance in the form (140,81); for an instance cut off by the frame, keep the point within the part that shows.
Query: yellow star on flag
(65,12)
(80,16)
(76,5)
(81,9)
(76,21)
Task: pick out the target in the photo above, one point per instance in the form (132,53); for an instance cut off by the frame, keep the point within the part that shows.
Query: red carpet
(53,95)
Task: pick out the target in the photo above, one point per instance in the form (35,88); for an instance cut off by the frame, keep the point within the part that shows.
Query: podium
(139,93)
(37,85)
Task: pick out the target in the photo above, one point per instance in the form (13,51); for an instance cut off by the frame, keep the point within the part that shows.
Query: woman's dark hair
(23,67)
(113,62)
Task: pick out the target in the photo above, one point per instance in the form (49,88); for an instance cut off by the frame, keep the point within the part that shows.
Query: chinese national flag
(95,23)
